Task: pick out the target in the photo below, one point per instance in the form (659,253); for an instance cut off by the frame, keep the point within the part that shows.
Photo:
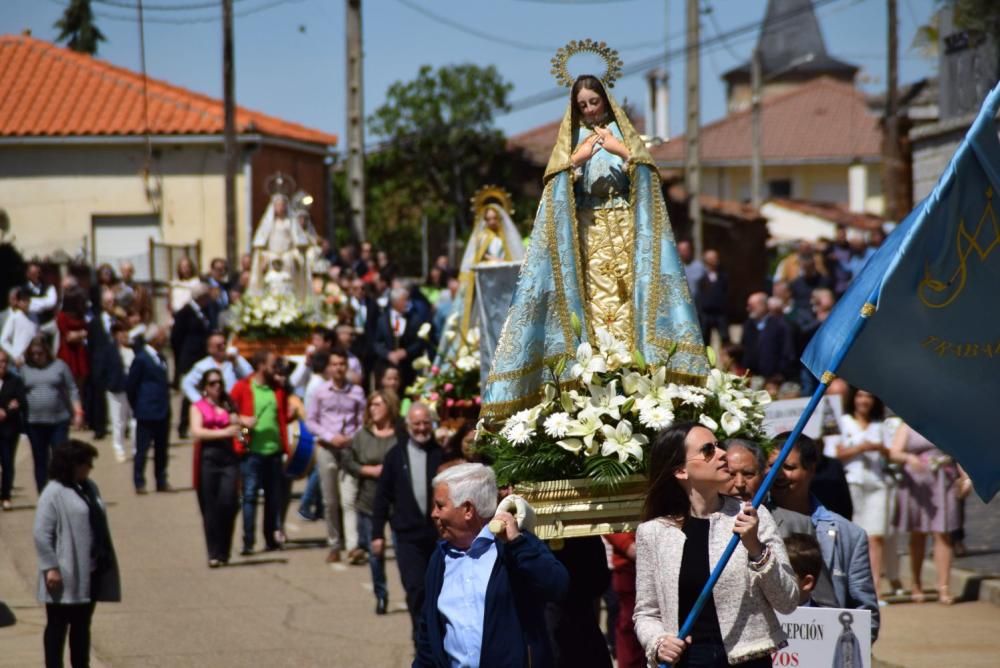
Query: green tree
(77,26)
(438,145)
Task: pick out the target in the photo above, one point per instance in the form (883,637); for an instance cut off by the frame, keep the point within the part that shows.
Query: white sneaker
(120,457)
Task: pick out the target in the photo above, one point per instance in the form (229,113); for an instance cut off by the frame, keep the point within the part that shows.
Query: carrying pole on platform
(867,311)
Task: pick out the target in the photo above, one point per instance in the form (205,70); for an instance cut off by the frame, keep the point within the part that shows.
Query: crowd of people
(80,353)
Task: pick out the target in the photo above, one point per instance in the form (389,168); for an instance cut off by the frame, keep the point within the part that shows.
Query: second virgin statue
(601,249)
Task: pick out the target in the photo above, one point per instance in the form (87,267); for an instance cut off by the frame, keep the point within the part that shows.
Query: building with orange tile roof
(95,160)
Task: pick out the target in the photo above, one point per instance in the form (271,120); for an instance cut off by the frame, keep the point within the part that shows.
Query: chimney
(663,106)
(657,105)
(651,103)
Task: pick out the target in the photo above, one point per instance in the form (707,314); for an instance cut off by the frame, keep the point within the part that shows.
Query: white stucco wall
(51,194)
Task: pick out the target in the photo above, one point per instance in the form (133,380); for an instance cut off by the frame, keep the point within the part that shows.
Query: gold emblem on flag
(935,293)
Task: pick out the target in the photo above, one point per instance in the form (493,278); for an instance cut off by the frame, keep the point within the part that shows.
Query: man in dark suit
(404,499)
(713,299)
(148,390)
(486,592)
(189,339)
(767,340)
(366,319)
(396,340)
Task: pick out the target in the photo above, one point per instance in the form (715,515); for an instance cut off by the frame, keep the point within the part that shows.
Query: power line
(249,11)
(491,37)
(652,61)
(162,8)
(710,11)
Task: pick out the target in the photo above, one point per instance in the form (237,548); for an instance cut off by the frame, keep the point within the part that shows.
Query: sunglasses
(213,382)
(706,452)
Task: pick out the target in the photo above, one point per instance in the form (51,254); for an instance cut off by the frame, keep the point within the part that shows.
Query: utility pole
(692,162)
(229,132)
(891,159)
(355,120)
(756,162)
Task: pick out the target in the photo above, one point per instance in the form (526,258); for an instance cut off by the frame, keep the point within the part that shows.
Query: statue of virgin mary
(279,247)
(601,249)
(494,239)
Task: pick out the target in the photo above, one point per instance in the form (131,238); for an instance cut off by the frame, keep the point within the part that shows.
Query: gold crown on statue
(560,62)
(491,194)
(280,183)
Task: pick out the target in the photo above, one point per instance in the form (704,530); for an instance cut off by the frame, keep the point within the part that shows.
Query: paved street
(276,609)
(291,609)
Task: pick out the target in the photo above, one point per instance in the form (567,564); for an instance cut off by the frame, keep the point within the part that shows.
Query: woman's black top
(694,574)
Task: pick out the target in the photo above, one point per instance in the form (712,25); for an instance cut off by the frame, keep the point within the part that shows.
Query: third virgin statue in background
(280,245)
(601,249)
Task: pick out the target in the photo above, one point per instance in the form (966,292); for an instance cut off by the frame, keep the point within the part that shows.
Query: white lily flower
(425,331)
(573,445)
(656,417)
(613,349)
(761,398)
(622,442)
(586,425)
(606,400)
(716,381)
(467,363)
(421,363)
(473,337)
(587,363)
(730,423)
(706,421)
(557,424)
(632,383)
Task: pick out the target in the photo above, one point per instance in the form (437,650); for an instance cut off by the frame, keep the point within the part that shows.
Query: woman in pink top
(215,426)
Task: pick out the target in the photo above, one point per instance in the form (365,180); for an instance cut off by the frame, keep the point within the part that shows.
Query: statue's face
(280,207)
(492,219)
(591,105)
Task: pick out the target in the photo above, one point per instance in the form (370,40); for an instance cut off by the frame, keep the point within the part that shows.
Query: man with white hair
(396,340)
(148,391)
(486,592)
(403,499)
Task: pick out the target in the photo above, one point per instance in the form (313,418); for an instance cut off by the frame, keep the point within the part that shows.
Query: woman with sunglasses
(688,522)
(215,426)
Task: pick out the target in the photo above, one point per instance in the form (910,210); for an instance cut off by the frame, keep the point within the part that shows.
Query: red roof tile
(50,91)
(835,213)
(822,119)
(739,211)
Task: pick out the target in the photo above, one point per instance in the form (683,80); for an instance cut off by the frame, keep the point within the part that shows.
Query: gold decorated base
(281,346)
(578,507)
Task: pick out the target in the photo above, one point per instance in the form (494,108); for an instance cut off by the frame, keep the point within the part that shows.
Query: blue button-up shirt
(230,374)
(462,602)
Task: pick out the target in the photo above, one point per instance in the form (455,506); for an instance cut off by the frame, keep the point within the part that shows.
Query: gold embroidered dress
(601,189)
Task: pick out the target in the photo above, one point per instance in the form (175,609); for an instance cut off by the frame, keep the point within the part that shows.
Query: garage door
(119,238)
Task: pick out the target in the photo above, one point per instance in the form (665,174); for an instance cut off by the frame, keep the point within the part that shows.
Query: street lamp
(756,82)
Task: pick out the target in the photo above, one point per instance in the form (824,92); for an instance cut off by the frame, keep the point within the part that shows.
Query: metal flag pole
(866,312)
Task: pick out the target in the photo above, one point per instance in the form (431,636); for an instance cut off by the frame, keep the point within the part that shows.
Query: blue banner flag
(931,350)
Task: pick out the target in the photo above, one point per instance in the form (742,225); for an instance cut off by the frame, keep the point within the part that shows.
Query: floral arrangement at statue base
(450,385)
(580,455)
(280,322)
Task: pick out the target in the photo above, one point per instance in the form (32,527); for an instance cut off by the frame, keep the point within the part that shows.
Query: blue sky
(290,55)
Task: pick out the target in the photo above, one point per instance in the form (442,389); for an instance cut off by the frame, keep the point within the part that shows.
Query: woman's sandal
(945,598)
(917,596)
